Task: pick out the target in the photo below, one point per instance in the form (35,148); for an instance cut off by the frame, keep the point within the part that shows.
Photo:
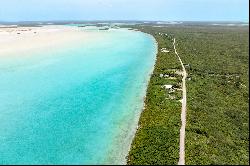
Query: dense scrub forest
(216,59)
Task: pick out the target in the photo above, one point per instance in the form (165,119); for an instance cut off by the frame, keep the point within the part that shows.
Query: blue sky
(165,10)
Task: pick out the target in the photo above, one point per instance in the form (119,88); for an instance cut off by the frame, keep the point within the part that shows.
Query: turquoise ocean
(75,105)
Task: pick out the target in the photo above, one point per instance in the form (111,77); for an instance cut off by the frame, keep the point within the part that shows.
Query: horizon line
(112,20)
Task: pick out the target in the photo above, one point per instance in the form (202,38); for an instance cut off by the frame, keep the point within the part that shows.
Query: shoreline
(145,94)
(121,156)
(138,107)
(152,126)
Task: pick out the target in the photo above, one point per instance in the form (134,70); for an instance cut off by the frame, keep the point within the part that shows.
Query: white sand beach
(19,39)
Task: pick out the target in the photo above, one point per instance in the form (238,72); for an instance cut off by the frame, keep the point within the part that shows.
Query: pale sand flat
(29,38)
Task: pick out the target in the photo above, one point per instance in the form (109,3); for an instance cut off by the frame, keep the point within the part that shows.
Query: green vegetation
(217,96)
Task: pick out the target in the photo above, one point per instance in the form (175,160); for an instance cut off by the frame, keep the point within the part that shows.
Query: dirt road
(183,111)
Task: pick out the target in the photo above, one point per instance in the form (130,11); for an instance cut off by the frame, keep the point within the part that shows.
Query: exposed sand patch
(19,39)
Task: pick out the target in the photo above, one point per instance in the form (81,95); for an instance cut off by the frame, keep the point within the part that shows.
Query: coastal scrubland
(216,59)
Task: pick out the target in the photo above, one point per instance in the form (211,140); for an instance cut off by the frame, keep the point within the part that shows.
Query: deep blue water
(74,105)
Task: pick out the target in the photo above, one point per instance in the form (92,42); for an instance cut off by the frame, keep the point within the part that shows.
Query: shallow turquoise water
(74,105)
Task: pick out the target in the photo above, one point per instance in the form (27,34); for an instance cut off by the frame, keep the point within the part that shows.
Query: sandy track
(183,111)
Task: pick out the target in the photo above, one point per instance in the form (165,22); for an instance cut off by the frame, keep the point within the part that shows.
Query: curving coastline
(46,81)
(120,157)
(142,108)
(152,125)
